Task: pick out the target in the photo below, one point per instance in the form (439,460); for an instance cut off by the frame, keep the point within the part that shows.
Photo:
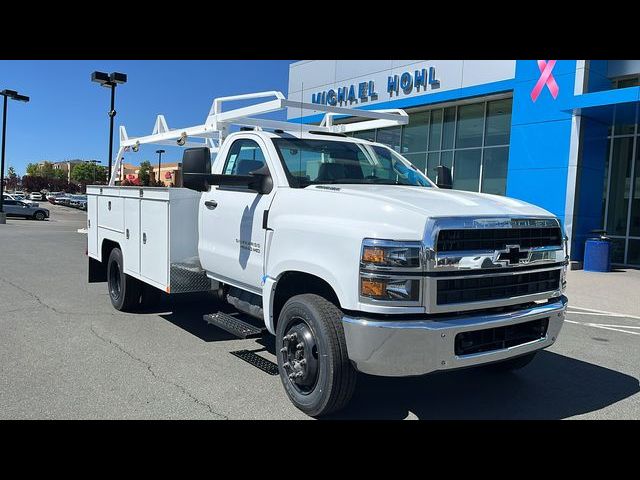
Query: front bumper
(396,348)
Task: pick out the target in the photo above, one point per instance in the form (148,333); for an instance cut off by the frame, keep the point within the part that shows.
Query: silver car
(17,208)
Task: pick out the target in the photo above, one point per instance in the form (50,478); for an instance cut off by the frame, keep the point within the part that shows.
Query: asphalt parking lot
(65,353)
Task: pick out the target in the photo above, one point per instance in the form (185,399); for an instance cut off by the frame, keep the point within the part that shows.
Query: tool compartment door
(154,242)
(131,246)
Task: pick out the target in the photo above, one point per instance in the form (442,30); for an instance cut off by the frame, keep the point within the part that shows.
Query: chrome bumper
(399,348)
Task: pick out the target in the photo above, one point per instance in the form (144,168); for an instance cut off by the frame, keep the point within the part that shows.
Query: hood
(437,202)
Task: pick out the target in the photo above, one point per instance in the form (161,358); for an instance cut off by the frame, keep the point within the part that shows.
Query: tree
(144,173)
(88,172)
(12,179)
(33,169)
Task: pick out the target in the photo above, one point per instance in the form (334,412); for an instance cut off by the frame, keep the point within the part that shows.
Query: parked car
(51,195)
(77,201)
(63,199)
(20,198)
(35,196)
(16,208)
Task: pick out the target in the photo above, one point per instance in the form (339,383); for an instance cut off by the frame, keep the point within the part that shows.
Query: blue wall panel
(540,137)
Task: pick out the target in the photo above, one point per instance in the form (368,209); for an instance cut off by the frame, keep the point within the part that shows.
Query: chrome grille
(497,238)
(474,263)
(478,289)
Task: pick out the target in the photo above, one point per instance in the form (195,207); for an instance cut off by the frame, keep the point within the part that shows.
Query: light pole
(110,81)
(159,152)
(13,95)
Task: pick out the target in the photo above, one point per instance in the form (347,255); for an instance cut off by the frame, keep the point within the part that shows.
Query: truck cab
(344,251)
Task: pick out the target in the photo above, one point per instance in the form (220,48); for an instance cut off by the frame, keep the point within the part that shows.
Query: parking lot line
(605,327)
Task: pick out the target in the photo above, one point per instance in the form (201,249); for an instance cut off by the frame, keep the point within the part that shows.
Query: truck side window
(244,157)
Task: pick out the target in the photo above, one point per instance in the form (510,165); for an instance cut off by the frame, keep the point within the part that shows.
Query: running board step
(233,325)
(257,361)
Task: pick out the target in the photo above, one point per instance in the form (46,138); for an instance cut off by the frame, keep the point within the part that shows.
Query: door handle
(144,238)
(211,204)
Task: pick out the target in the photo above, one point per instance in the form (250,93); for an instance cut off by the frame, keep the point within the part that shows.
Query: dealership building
(561,134)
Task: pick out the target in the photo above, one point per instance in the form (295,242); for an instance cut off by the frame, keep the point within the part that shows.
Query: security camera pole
(13,95)
(110,81)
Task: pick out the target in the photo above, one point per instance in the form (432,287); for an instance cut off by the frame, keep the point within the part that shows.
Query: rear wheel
(124,290)
(312,355)
(512,364)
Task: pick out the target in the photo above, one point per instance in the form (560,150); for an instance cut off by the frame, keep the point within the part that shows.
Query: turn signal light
(373,255)
(372,288)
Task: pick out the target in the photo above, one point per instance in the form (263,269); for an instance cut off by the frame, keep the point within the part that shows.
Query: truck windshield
(309,162)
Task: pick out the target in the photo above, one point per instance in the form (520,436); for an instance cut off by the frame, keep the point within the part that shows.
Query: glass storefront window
(446,158)
(625,119)
(366,135)
(448,127)
(419,160)
(435,130)
(633,255)
(466,169)
(494,170)
(617,250)
(415,133)
(390,137)
(498,124)
(620,177)
(627,82)
(634,220)
(470,125)
(434,137)
(433,160)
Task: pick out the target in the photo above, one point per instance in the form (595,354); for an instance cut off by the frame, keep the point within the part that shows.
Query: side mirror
(443,177)
(261,181)
(196,168)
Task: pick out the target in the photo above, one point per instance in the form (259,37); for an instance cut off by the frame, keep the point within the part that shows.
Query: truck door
(232,237)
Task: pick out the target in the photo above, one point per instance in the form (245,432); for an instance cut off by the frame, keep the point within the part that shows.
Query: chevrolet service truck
(338,246)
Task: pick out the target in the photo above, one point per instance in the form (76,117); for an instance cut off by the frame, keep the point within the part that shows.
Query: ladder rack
(216,127)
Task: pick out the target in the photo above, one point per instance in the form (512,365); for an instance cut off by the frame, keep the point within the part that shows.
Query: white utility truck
(338,246)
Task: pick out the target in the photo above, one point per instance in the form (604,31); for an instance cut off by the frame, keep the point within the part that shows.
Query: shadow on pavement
(552,386)
(186,311)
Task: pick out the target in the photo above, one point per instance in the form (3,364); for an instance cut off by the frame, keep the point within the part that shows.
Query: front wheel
(312,355)
(124,290)
(39,215)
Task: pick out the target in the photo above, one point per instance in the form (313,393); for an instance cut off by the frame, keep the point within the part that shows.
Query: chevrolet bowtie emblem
(512,255)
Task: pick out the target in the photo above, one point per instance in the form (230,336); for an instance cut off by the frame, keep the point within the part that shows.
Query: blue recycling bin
(597,255)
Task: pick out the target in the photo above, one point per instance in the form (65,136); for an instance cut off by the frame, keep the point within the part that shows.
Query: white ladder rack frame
(216,127)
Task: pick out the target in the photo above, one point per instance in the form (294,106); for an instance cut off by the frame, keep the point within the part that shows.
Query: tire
(40,216)
(512,364)
(327,380)
(124,290)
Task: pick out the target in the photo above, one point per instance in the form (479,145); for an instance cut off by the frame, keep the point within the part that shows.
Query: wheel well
(297,283)
(107,246)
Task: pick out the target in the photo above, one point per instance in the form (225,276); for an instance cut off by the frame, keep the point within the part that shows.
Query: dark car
(16,208)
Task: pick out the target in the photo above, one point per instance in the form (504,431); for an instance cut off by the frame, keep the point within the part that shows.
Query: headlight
(390,254)
(385,266)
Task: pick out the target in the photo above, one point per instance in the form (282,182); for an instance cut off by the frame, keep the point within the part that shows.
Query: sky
(66,117)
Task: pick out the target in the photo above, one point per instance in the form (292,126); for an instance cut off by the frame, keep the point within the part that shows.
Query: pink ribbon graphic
(546,78)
